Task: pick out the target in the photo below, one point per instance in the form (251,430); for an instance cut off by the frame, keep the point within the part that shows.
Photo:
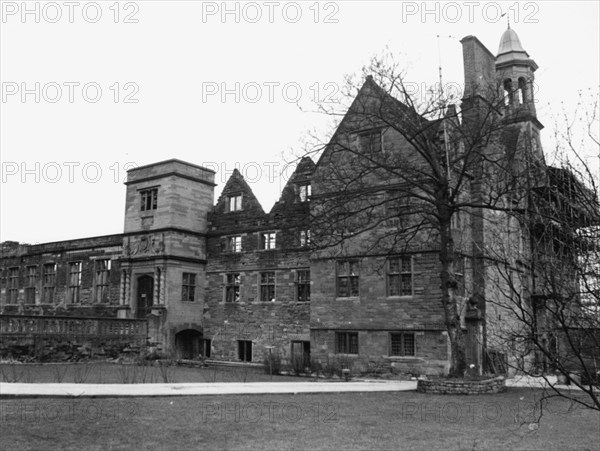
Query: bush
(272,363)
(331,367)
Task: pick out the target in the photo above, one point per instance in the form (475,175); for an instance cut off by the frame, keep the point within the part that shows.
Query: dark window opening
(13,286)
(101,289)
(402,344)
(188,287)
(232,289)
(346,342)
(370,141)
(48,282)
(245,350)
(400,276)
(267,286)
(149,199)
(303,286)
(74,282)
(347,278)
(32,276)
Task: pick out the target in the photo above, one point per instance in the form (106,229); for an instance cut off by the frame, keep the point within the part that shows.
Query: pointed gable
(235,187)
(290,196)
(237,208)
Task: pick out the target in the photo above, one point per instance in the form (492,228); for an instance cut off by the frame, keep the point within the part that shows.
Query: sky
(91,89)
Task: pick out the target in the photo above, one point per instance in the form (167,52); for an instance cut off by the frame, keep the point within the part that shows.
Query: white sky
(175,54)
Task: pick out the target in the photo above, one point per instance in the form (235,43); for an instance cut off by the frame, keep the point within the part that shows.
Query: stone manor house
(229,281)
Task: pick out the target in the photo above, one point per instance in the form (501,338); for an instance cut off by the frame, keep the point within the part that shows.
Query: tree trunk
(448,283)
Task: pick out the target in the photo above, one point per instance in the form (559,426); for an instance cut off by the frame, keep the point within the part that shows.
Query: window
(268,240)
(346,342)
(399,274)
(48,282)
(303,285)
(347,278)
(301,352)
(402,344)
(234,203)
(245,350)
(32,275)
(149,199)
(101,282)
(188,287)
(304,192)
(74,282)
(13,286)
(370,141)
(232,289)
(234,244)
(267,286)
(207,348)
(304,238)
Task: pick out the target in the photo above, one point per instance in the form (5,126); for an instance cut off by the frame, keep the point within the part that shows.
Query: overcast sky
(90,89)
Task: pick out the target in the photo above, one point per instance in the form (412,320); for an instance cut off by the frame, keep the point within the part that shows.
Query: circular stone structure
(462,386)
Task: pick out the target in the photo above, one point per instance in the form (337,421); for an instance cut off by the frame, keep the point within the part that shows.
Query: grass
(109,373)
(405,420)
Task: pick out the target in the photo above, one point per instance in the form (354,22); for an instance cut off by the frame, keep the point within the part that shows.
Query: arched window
(523,92)
(508,92)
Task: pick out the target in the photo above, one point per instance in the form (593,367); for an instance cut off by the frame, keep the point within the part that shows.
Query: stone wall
(461,387)
(87,251)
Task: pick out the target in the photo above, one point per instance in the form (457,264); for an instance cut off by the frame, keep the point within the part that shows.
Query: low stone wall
(461,386)
(57,339)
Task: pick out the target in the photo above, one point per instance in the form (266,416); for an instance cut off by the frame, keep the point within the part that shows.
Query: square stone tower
(164,252)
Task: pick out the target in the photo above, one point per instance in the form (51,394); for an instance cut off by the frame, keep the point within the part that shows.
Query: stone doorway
(188,344)
(145,292)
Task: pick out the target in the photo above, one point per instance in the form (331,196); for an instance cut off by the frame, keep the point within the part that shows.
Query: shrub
(272,363)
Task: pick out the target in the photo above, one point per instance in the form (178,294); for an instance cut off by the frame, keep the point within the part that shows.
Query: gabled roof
(374,107)
(289,197)
(237,185)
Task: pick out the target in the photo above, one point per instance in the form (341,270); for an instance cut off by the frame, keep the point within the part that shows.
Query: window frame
(402,344)
(304,191)
(347,274)
(74,286)
(31,284)
(268,241)
(400,274)
(48,283)
(267,286)
(148,199)
(233,287)
(12,285)
(235,202)
(102,279)
(188,287)
(344,343)
(303,286)
(245,350)
(366,140)
(233,243)
(304,237)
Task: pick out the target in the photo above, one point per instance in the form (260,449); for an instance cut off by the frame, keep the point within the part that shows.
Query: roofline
(172,160)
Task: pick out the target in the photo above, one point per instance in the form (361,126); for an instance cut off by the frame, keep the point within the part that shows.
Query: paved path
(214,388)
(10,390)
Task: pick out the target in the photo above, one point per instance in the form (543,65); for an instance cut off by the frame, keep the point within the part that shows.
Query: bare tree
(403,173)
(551,283)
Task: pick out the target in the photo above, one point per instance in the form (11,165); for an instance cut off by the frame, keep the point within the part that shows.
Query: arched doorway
(187,343)
(145,291)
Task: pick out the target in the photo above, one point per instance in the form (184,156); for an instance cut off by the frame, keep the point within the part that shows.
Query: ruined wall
(88,251)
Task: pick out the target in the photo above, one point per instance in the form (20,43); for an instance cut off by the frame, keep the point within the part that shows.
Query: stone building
(229,281)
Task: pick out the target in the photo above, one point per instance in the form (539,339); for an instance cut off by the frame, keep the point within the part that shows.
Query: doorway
(145,291)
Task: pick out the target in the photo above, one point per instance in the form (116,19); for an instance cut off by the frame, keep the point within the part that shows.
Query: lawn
(404,420)
(112,373)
